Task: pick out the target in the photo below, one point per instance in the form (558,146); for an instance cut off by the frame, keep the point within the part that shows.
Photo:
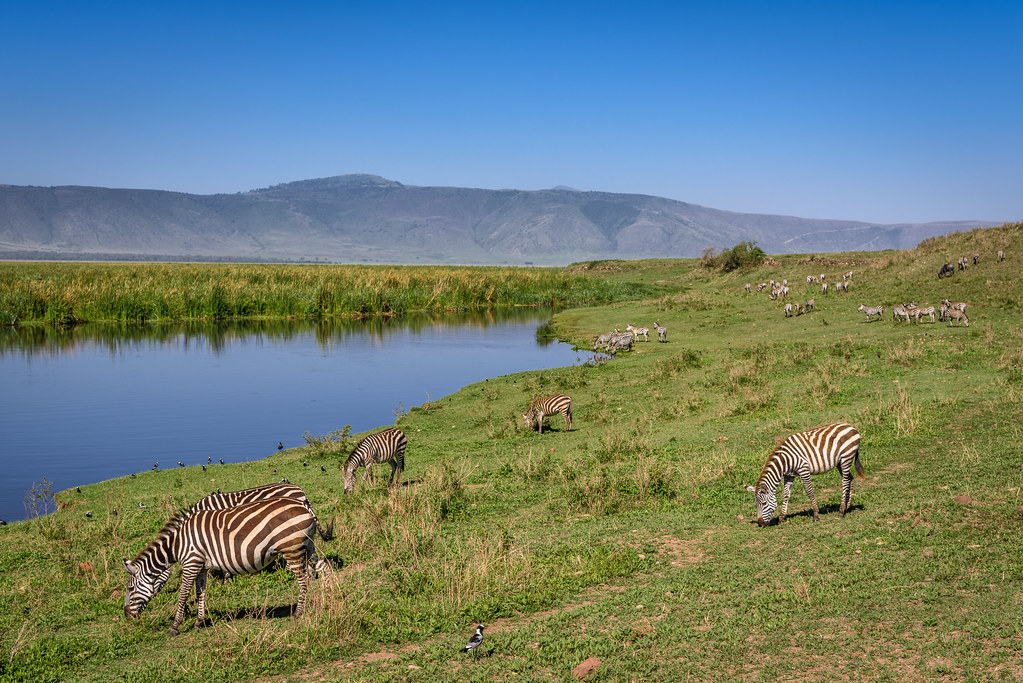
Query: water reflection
(98,401)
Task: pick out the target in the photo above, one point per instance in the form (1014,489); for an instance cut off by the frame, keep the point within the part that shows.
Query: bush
(744,255)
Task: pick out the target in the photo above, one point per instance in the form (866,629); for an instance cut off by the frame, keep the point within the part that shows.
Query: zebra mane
(172,525)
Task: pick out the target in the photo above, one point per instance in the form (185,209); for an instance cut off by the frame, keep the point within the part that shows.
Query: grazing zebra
(899,311)
(976,259)
(550,405)
(1001,255)
(958,316)
(814,451)
(762,286)
(957,306)
(798,308)
(872,311)
(921,312)
(643,331)
(946,270)
(810,279)
(824,288)
(788,310)
(602,341)
(662,332)
(810,303)
(384,446)
(621,341)
(230,499)
(748,287)
(237,540)
(848,275)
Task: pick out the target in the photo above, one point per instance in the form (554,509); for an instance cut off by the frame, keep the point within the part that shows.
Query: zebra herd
(962,263)
(949,310)
(615,341)
(780,290)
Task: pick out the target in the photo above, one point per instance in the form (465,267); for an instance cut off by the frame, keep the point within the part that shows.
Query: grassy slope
(629,538)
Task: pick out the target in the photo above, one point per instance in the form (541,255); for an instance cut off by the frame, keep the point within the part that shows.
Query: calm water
(95,402)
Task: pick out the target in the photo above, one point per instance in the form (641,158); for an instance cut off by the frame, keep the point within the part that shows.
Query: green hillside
(628,539)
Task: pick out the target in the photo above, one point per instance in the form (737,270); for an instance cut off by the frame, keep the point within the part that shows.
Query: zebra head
(142,586)
(348,478)
(766,503)
(529,417)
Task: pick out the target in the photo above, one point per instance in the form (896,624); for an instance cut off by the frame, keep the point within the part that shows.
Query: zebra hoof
(172,632)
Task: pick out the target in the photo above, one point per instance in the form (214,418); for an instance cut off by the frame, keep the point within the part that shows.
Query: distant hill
(365,218)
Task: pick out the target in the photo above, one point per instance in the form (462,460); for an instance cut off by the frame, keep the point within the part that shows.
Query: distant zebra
(1001,255)
(814,451)
(921,312)
(946,271)
(642,331)
(810,303)
(788,310)
(237,540)
(748,287)
(384,446)
(602,341)
(899,311)
(872,311)
(798,308)
(550,405)
(230,499)
(848,275)
(662,332)
(958,316)
(762,286)
(976,259)
(956,306)
(621,341)
(824,288)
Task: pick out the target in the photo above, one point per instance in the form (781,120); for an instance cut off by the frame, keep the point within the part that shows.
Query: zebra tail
(328,534)
(859,467)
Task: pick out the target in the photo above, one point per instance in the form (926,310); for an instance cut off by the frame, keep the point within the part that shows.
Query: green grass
(628,539)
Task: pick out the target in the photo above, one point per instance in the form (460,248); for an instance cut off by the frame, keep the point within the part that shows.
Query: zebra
(748,287)
(810,303)
(549,405)
(921,312)
(848,275)
(872,311)
(976,259)
(237,540)
(662,332)
(788,310)
(602,341)
(1001,255)
(946,270)
(824,288)
(814,451)
(798,308)
(762,286)
(640,331)
(899,311)
(230,499)
(384,446)
(956,306)
(958,316)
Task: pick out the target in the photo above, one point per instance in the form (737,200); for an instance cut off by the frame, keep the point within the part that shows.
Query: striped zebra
(639,332)
(237,540)
(899,311)
(810,303)
(602,341)
(848,275)
(958,316)
(662,332)
(384,446)
(872,311)
(955,306)
(230,499)
(550,405)
(621,341)
(748,287)
(1001,256)
(787,310)
(814,451)
(925,311)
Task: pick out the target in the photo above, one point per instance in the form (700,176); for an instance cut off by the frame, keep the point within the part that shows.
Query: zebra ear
(132,569)
(751,489)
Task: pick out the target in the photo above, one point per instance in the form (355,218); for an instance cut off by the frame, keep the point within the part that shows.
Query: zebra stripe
(872,311)
(814,451)
(641,331)
(662,332)
(237,540)
(230,499)
(550,405)
(385,446)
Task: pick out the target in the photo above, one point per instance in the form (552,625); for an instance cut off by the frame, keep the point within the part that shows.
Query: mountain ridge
(364,218)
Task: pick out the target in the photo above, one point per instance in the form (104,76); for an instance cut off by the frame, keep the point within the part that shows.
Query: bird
(204,468)
(78,488)
(89,515)
(143,506)
(275,470)
(115,512)
(280,446)
(322,468)
(305,464)
(209,461)
(221,461)
(285,481)
(156,465)
(475,641)
(132,475)
(180,464)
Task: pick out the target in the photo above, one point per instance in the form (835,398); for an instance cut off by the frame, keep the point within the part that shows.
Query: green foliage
(744,256)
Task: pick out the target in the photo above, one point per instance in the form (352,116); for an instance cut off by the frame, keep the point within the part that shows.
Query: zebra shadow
(824,510)
(265,612)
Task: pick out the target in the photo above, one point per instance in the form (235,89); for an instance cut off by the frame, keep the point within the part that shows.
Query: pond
(94,402)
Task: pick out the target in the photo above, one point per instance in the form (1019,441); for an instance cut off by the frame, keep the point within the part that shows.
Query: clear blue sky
(883,111)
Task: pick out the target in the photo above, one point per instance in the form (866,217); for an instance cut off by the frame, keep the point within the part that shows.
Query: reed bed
(69,293)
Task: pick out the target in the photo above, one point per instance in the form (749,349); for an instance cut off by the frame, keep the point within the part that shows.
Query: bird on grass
(143,506)
(204,468)
(322,468)
(89,515)
(156,465)
(280,446)
(305,464)
(221,461)
(475,641)
(209,461)
(78,488)
(180,464)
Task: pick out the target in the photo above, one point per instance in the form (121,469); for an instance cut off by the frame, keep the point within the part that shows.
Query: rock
(1020,509)
(586,668)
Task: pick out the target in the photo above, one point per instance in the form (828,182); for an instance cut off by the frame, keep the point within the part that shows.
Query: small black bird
(275,470)
(204,468)
(115,512)
(156,465)
(3,523)
(78,488)
(143,506)
(132,475)
(180,464)
(280,446)
(209,461)
(218,489)
(285,481)
(475,641)
(221,461)
(89,515)
(305,464)
(322,468)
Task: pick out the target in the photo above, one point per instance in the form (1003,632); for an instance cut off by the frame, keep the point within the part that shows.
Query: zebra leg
(200,598)
(394,470)
(368,474)
(297,566)
(540,421)
(847,481)
(809,494)
(188,575)
(786,492)
(568,419)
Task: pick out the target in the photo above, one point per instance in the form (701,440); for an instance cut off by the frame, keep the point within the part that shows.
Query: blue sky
(887,112)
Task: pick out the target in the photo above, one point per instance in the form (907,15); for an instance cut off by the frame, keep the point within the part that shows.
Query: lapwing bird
(221,461)
(132,475)
(143,506)
(78,488)
(89,515)
(285,481)
(114,512)
(475,641)
(305,464)
(204,468)
(322,468)
(156,465)
(209,461)
(280,446)
(180,464)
